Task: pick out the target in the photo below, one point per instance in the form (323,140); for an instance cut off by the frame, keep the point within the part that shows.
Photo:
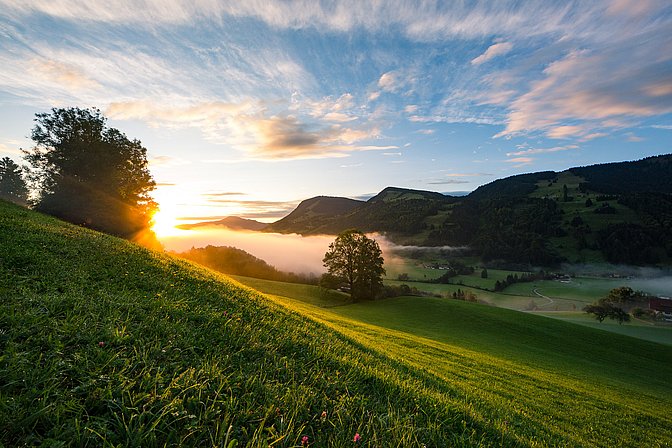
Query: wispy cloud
(160,161)
(223,194)
(529,151)
(596,91)
(493,51)
(448,182)
(521,160)
(261,134)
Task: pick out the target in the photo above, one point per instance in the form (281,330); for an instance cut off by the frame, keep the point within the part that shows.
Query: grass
(193,358)
(549,382)
(188,358)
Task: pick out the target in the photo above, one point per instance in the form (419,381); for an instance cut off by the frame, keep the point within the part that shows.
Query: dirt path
(550,301)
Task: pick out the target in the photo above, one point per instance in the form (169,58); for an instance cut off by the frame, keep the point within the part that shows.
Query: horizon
(246,111)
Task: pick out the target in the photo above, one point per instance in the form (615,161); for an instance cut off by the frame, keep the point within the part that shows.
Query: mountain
(616,212)
(314,215)
(230,222)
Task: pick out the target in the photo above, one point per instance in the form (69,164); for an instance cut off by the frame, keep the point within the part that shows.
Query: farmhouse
(662,305)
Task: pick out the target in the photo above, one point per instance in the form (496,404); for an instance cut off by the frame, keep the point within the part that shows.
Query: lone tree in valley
(357,261)
(90,174)
(12,185)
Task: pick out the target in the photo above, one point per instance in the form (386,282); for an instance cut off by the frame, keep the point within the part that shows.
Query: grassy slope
(545,381)
(187,355)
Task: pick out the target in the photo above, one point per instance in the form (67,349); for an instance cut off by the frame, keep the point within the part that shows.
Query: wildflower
(356,438)
(324,415)
(304,441)
(101,344)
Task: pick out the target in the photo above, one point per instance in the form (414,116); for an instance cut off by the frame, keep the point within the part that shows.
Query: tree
(604,308)
(358,261)
(12,185)
(565,196)
(484,273)
(90,174)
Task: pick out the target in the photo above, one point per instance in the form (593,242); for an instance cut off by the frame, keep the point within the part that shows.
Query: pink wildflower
(324,415)
(304,441)
(101,344)
(356,438)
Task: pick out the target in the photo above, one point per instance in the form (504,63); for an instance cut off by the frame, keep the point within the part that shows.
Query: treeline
(234,261)
(651,174)
(515,230)
(501,285)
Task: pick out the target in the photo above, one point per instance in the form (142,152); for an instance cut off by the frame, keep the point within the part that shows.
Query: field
(515,370)
(562,300)
(103,343)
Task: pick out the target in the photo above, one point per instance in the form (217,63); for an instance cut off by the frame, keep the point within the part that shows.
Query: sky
(248,107)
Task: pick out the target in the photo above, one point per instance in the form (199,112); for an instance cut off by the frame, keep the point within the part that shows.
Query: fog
(648,279)
(303,254)
(289,253)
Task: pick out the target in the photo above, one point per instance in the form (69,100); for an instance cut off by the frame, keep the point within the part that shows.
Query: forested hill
(615,212)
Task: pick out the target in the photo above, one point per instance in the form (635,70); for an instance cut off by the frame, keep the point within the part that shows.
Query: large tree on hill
(12,185)
(358,261)
(90,174)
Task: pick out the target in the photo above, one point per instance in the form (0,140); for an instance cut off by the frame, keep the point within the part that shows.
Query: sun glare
(165,221)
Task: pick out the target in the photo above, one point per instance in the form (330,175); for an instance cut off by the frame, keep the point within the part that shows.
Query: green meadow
(104,343)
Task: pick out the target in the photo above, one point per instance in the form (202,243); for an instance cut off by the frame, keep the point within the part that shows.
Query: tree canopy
(357,260)
(12,185)
(90,174)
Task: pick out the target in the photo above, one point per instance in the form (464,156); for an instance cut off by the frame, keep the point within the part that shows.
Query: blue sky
(248,107)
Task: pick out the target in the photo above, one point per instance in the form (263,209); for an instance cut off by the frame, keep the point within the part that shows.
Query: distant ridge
(230,222)
(616,212)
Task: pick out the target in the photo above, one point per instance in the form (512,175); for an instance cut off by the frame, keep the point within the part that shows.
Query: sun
(165,220)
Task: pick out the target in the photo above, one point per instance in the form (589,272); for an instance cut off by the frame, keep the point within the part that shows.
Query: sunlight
(165,220)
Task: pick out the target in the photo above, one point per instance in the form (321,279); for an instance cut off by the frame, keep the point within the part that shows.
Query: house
(662,305)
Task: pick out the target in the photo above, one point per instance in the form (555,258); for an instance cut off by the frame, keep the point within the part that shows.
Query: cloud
(631,137)
(448,182)
(162,161)
(662,126)
(223,194)
(425,131)
(493,51)
(596,90)
(5,149)
(253,129)
(66,74)
(541,150)
(389,82)
(468,174)
(420,20)
(521,160)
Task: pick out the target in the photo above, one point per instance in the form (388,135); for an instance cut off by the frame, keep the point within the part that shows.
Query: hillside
(618,213)
(314,215)
(230,222)
(557,383)
(104,343)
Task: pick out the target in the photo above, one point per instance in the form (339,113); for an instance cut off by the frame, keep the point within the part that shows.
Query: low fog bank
(289,253)
(303,255)
(648,279)
(286,252)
